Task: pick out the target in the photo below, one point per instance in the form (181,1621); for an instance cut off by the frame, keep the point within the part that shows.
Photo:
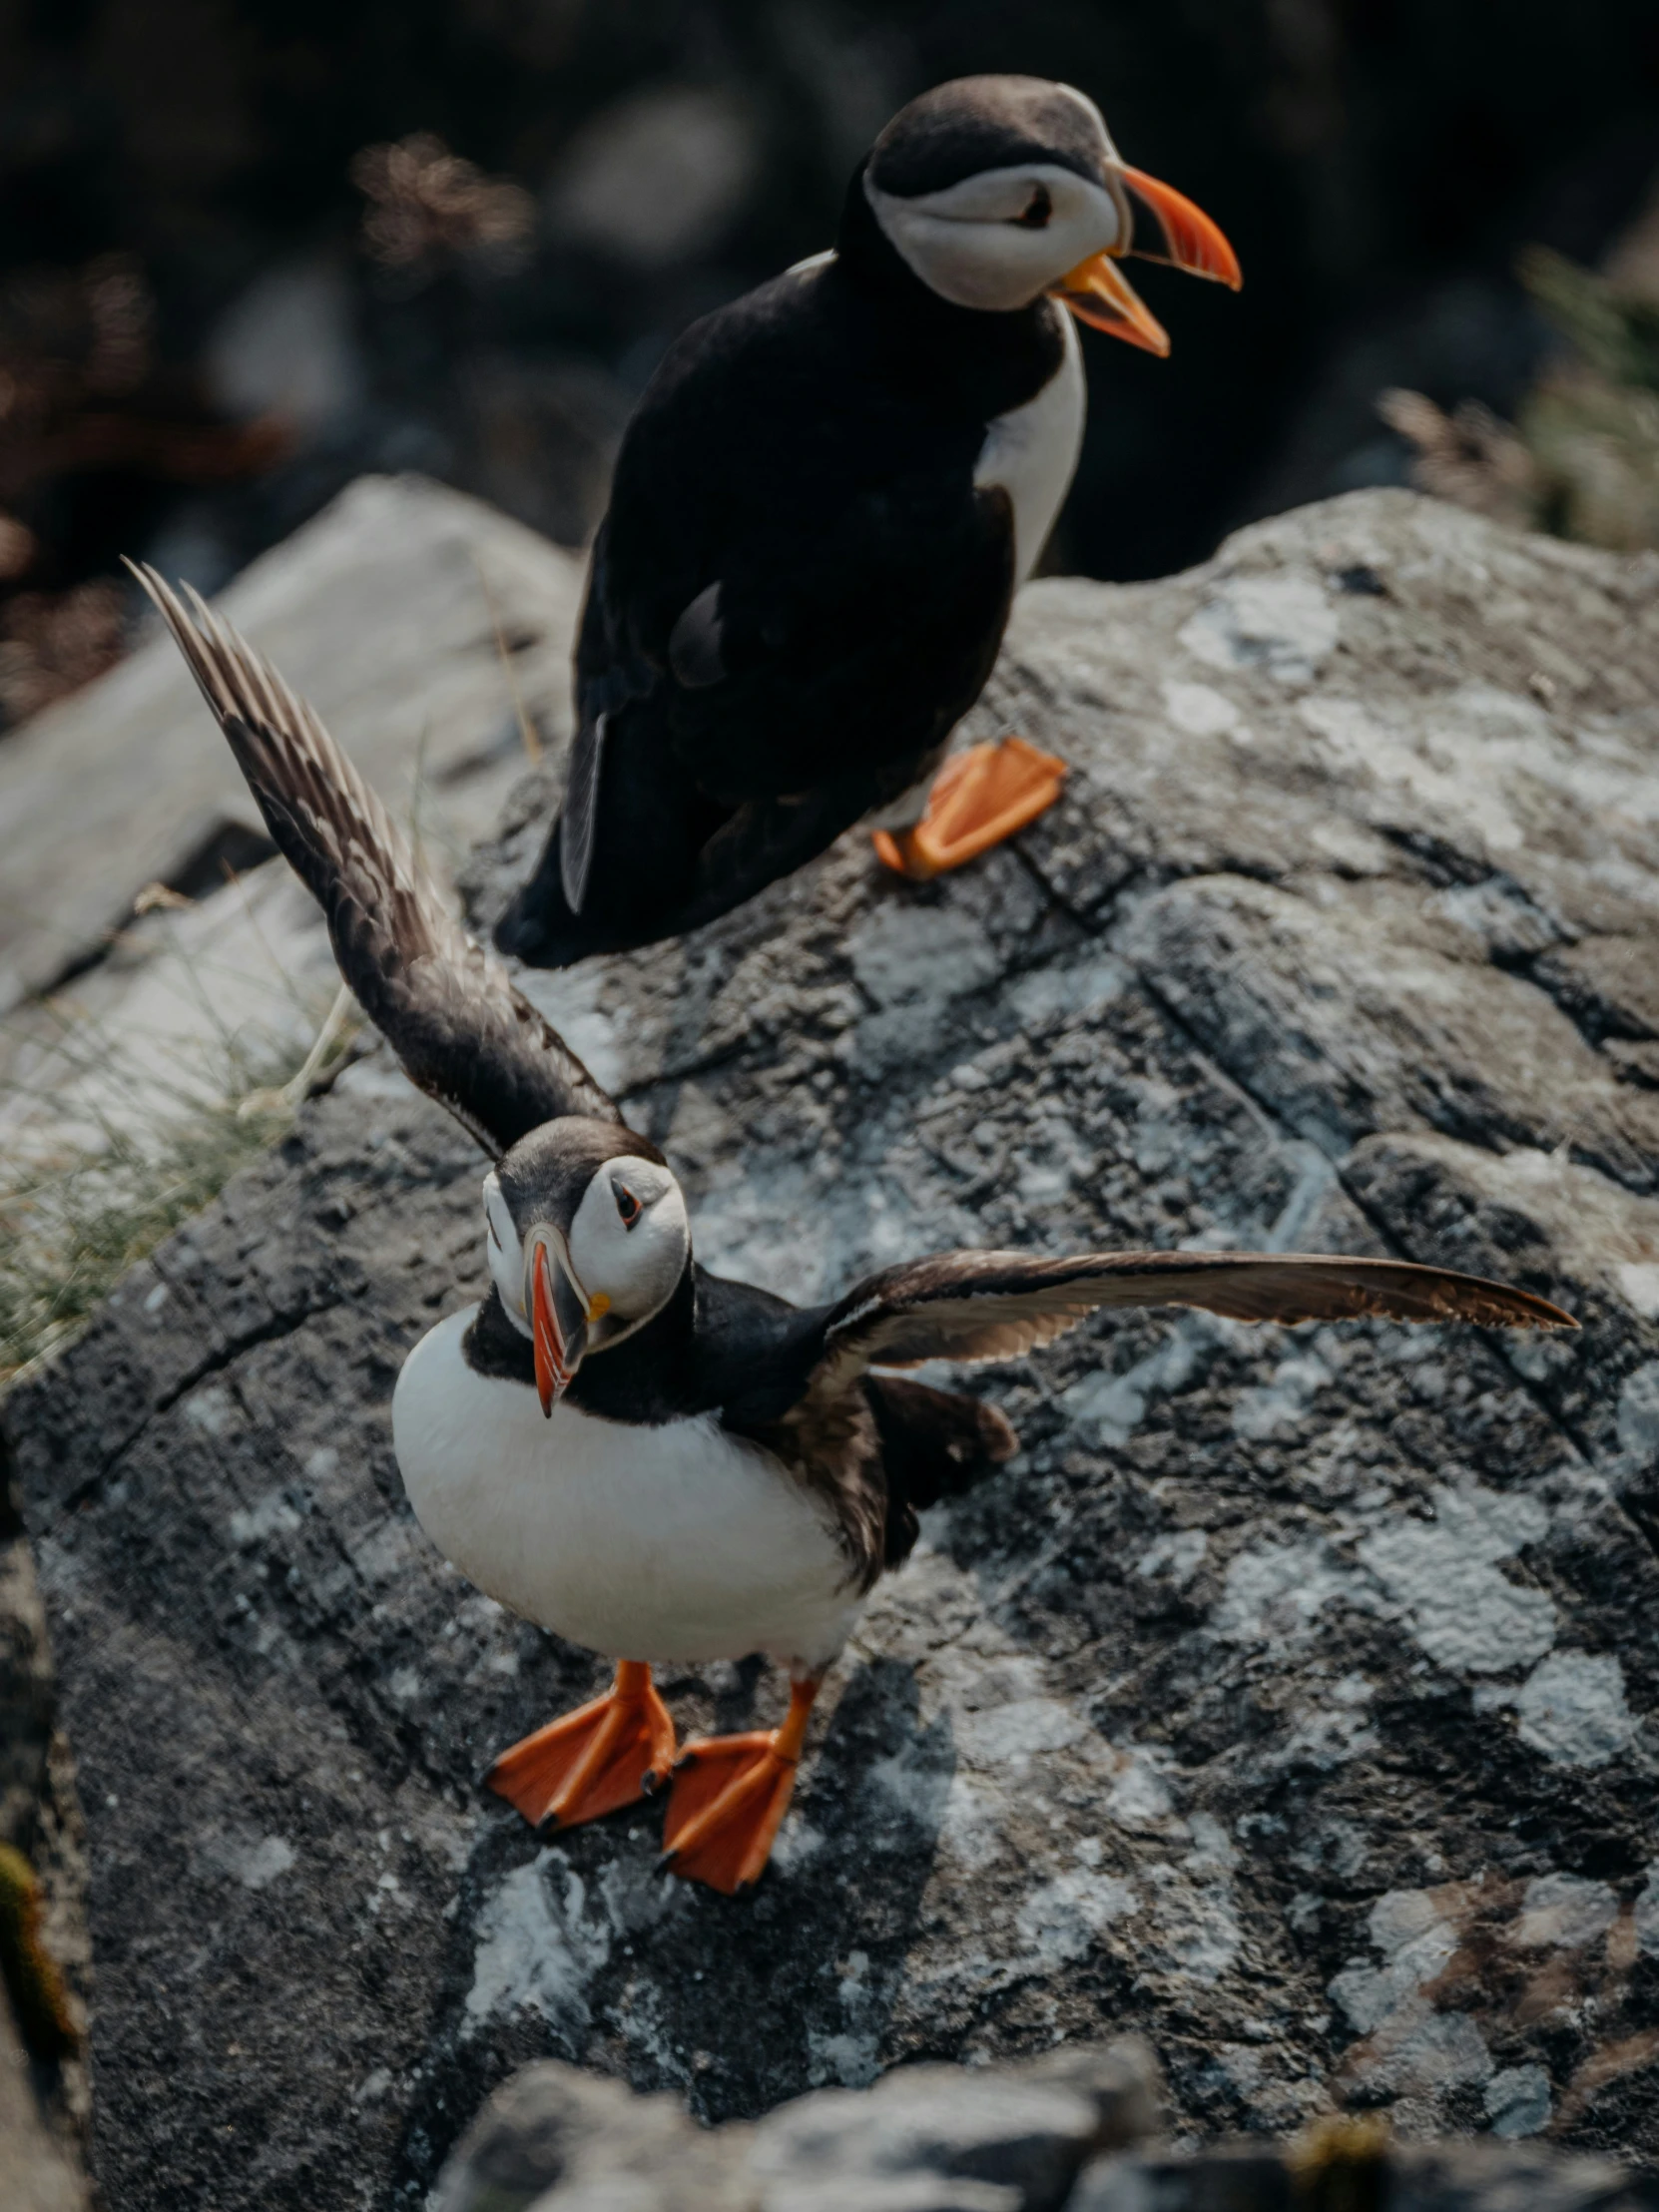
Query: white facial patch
(507,1254)
(974,245)
(629,1242)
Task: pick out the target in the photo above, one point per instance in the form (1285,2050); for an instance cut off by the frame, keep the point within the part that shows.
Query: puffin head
(587,1238)
(996,190)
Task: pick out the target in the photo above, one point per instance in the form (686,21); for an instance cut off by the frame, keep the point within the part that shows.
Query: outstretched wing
(999,1305)
(447,1007)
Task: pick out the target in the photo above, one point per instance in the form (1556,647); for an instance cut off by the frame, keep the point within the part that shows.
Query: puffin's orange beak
(1191,241)
(558,1329)
(1098,293)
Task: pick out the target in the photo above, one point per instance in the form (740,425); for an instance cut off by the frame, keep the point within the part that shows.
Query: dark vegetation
(202,336)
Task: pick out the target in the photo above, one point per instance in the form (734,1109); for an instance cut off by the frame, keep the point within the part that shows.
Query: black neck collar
(646,1377)
(987,360)
(865,250)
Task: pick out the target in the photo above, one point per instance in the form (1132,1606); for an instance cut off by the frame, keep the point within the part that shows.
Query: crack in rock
(1259,1631)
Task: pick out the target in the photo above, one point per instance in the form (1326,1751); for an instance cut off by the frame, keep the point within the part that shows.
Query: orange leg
(588,1762)
(730,1793)
(978,798)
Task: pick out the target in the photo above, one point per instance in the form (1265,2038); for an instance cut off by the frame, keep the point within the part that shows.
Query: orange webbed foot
(978,798)
(729,1798)
(604,1754)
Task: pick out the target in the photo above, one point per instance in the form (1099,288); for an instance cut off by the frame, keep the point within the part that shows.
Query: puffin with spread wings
(820,511)
(636,1454)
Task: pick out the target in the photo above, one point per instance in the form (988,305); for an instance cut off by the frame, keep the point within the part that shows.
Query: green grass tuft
(68,1235)
(1581,458)
(130,1168)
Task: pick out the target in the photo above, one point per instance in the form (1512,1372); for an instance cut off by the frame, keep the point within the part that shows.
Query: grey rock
(931,2138)
(1269,1705)
(1233,2178)
(1121,2080)
(1417,2177)
(996,2139)
(552,2136)
(922,2189)
(187,1007)
(421,623)
(386,611)
(924,2139)
(1480,2177)
(1021,2143)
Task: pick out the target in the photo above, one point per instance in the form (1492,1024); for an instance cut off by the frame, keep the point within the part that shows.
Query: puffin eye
(1038,208)
(626,1205)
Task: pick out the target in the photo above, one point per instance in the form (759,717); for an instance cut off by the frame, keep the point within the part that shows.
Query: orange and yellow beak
(1098,293)
(560,1317)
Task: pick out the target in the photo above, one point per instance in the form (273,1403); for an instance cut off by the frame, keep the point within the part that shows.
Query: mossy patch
(31,1973)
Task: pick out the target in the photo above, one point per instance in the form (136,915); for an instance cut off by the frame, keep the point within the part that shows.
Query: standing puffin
(820,514)
(632,1452)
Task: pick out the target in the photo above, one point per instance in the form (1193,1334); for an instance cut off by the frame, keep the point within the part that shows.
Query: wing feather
(579,815)
(999,1305)
(448,1008)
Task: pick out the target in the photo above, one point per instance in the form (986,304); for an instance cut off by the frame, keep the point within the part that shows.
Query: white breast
(1031,453)
(679,1543)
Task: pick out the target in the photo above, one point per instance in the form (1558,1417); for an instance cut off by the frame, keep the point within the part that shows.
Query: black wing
(796,594)
(999,1305)
(849,646)
(683,800)
(579,815)
(447,1007)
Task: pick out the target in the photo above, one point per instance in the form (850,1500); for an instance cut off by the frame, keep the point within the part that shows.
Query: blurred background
(252,249)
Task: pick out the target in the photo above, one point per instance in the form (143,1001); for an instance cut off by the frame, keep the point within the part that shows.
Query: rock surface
(1076,2129)
(392,611)
(425,624)
(1290,1698)
(925,2139)
(1409,2177)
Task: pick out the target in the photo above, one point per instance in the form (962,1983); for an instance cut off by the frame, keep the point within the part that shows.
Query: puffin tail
(934,1445)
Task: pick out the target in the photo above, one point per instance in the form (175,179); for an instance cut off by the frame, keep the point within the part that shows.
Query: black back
(809,450)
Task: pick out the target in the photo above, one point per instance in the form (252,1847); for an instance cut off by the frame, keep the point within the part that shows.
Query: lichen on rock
(1289,1699)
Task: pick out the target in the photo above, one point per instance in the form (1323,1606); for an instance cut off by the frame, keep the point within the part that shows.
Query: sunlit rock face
(1079,2128)
(1289,1699)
